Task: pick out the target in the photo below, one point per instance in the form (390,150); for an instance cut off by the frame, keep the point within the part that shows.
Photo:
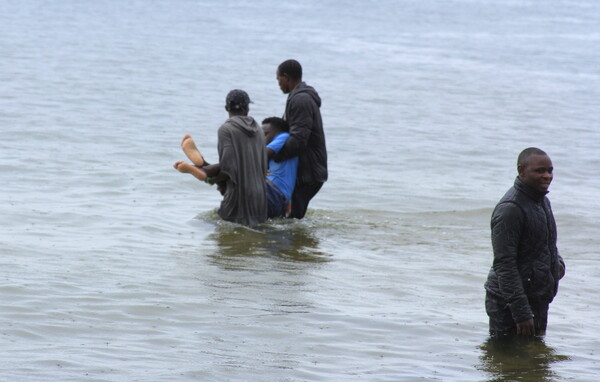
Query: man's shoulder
(226,125)
(515,195)
(508,202)
(304,93)
(514,203)
(302,96)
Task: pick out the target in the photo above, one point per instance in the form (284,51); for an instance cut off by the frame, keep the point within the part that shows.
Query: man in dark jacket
(527,266)
(307,140)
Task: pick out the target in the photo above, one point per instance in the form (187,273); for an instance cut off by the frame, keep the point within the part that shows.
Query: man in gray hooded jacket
(307,139)
(243,163)
(527,266)
(240,173)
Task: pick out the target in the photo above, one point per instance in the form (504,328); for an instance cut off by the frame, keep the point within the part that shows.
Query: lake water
(115,267)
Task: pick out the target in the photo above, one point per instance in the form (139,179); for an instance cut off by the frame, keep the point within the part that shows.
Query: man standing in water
(527,266)
(242,165)
(307,139)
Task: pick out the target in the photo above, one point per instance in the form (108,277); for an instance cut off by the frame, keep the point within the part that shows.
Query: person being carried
(240,173)
(526,269)
(281,178)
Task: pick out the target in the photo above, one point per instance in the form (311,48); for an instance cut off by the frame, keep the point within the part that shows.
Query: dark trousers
(276,200)
(501,321)
(302,195)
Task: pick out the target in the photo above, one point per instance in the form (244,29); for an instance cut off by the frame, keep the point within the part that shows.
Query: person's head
(237,102)
(535,169)
(289,75)
(272,126)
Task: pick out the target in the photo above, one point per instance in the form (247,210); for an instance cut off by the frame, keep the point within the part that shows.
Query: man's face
(537,173)
(269,132)
(284,82)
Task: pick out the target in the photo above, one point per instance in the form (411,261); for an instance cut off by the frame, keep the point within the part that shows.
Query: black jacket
(307,139)
(526,263)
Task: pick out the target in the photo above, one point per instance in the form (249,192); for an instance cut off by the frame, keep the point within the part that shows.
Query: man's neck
(295,85)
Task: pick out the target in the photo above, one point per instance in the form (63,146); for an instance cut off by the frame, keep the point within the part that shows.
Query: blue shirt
(283,174)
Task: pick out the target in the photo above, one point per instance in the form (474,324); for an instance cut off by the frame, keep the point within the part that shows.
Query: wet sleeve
(300,116)
(507,226)
(549,213)
(227,154)
(562,262)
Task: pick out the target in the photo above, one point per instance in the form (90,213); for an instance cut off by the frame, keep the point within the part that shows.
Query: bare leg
(191,151)
(187,168)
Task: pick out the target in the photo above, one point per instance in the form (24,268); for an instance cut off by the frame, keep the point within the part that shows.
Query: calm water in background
(115,267)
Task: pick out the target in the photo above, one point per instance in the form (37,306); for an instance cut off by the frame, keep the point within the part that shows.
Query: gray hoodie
(242,156)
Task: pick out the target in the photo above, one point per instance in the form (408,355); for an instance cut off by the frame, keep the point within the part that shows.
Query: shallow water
(115,267)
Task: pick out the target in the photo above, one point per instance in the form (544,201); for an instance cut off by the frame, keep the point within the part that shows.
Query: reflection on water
(519,359)
(284,239)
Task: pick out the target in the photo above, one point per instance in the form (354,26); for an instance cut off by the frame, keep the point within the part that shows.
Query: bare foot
(191,151)
(181,166)
(187,168)
(184,138)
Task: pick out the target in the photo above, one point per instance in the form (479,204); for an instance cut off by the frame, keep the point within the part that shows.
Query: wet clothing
(281,179)
(242,156)
(277,202)
(501,319)
(307,142)
(282,174)
(524,276)
(303,193)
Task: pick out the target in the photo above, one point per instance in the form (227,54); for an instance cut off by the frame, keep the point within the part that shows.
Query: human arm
(559,262)
(300,116)
(562,268)
(226,168)
(219,178)
(215,176)
(526,328)
(277,144)
(508,222)
(211,169)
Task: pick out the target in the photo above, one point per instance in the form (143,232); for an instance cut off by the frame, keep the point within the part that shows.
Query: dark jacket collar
(304,88)
(529,191)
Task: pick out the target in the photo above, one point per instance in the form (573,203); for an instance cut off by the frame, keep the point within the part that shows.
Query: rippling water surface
(114,267)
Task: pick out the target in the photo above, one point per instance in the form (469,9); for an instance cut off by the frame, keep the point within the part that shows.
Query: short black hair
(524,156)
(292,68)
(278,123)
